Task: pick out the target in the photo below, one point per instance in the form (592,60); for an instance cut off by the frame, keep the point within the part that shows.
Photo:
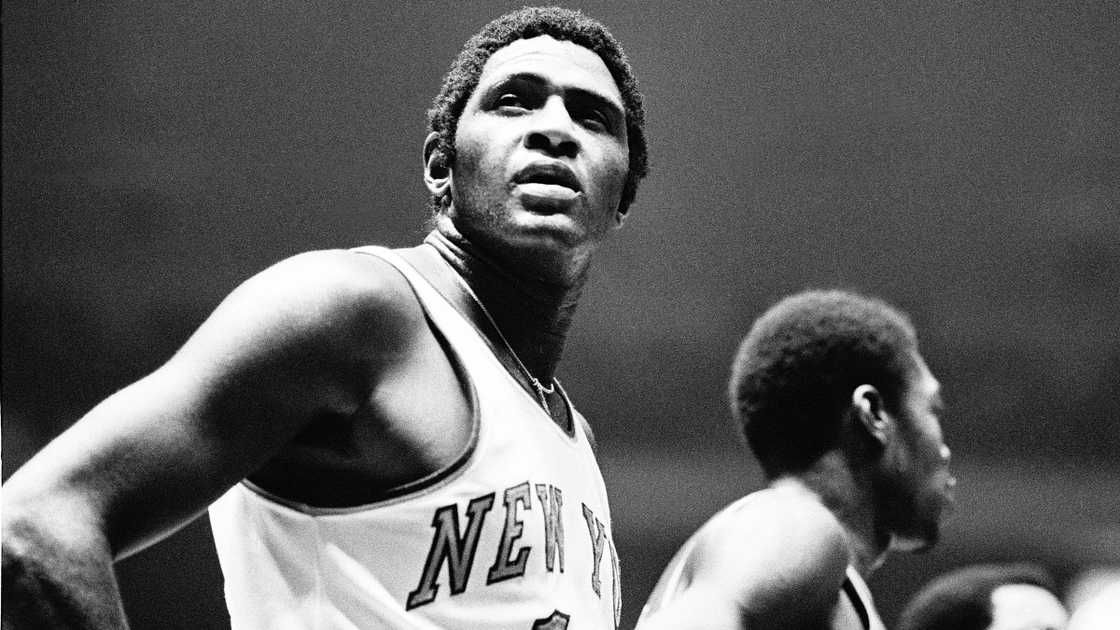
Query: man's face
(541,156)
(1026,607)
(917,485)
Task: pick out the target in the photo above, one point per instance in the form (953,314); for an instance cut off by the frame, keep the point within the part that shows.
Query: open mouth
(549,177)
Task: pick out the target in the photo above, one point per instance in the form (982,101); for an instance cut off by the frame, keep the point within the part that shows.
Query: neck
(849,497)
(534,316)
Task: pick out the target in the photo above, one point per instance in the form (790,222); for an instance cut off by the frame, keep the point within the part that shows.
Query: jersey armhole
(435,479)
(432,480)
(857,603)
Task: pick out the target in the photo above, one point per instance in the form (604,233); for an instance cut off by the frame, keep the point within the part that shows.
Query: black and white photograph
(598,315)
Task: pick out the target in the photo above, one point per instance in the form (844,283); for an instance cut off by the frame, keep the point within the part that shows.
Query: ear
(437,174)
(867,403)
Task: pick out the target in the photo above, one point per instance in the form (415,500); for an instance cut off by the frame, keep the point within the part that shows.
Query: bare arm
(297,341)
(773,564)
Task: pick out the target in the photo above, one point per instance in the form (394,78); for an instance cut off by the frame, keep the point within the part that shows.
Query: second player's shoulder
(780,515)
(777,546)
(775,558)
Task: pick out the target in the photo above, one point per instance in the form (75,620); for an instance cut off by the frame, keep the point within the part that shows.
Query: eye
(592,118)
(510,101)
(597,119)
(594,113)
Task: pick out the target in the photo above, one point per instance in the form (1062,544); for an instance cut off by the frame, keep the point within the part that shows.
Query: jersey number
(556,621)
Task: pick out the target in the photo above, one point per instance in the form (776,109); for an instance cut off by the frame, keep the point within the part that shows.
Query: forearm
(52,580)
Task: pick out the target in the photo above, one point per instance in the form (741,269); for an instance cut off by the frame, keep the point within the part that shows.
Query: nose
(945,453)
(551,129)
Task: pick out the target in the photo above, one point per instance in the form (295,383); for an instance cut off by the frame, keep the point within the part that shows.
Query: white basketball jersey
(515,535)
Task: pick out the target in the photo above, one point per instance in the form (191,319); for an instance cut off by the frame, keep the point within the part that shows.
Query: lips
(550,173)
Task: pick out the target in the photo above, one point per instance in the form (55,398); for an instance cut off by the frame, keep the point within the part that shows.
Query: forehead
(560,62)
(921,379)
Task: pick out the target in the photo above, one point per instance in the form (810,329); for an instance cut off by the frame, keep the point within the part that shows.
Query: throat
(526,334)
(533,317)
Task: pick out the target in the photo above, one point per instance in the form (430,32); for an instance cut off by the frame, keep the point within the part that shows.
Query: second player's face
(541,154)
(919,486)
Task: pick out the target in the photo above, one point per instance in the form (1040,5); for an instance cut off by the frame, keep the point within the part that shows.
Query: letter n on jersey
(457,549)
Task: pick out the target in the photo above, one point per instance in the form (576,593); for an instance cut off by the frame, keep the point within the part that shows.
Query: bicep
(134,468)
(152,456)
(142,462)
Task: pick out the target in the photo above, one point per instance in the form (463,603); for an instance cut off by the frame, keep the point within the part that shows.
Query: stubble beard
(907,514)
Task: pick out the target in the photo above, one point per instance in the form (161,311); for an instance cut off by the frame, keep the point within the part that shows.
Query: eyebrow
(599,100)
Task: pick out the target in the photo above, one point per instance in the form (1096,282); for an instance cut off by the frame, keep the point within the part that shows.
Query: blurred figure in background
(987,597)
(1094,599)
(841,411)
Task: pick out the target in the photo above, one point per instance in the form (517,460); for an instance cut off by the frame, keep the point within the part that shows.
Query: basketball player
(1017,596)
(379,435)
(841,411)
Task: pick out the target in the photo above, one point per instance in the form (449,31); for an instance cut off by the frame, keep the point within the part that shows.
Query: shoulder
(801,523)
(331,312)
(333,282)
(327,291)
(774,549)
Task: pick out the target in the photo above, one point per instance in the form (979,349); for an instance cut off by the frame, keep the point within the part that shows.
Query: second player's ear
(868,405)
(437,173)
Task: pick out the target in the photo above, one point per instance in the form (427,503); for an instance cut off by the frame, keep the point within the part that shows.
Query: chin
(923,538)
(913,545)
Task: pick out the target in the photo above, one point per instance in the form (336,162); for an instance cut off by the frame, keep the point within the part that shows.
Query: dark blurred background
(959,159)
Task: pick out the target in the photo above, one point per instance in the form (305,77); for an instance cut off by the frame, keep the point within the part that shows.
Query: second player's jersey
(857,592)
(515,535)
